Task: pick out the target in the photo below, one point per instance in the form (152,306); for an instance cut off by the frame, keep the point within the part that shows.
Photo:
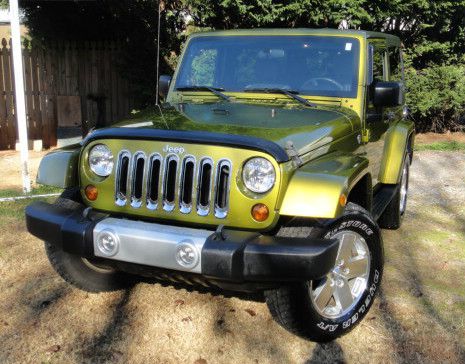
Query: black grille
(153,181)
(137,180)
(122,179)
(169,183)
(222,189)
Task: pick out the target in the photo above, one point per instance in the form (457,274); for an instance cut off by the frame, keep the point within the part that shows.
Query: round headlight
(101,160)
(258,175)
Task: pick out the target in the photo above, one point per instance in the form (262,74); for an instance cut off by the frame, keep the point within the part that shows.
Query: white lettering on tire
(346,224)
(327,327)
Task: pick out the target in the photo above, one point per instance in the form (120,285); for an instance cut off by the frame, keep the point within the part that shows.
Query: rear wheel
(324,309)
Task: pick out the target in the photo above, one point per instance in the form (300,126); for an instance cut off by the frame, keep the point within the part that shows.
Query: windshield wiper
(290,93)
(213,90)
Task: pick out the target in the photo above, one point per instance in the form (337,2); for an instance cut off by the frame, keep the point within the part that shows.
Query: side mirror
(164,85)
(388,94)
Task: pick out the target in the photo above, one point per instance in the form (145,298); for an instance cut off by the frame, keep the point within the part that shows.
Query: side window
(377,71)
(395,65)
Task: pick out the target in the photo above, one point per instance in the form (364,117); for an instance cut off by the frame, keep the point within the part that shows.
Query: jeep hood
(307,128)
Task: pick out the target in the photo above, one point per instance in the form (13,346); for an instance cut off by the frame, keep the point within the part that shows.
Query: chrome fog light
(187,254)
(107,243)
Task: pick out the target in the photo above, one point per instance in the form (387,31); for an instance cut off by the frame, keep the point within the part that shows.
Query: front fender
(315,189)
(59,168)
(397,139)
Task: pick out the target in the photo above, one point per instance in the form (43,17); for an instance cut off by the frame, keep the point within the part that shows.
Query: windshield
(308,65)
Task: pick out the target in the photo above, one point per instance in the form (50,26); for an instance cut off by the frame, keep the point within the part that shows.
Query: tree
(433,32)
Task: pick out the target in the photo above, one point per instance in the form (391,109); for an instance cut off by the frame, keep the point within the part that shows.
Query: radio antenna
(158,51)
(161,7)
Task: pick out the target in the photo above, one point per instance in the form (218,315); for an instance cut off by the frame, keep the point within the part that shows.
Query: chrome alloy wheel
(404,187)
(337,293)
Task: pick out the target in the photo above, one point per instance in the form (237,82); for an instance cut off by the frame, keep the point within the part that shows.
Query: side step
(381,199)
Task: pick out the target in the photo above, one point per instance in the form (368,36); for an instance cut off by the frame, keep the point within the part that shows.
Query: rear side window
(377,69)
(395,64)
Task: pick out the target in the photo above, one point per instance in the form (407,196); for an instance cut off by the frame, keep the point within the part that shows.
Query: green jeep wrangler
(273,162)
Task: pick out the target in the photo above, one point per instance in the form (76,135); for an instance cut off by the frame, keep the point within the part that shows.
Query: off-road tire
(85,274)
(392,216)
(291,305)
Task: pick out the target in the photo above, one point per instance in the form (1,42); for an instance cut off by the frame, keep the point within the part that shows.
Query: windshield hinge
(293,154)
(365,136)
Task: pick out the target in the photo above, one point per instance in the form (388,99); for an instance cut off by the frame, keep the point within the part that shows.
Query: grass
(449,146)
(12,211)
(39,190)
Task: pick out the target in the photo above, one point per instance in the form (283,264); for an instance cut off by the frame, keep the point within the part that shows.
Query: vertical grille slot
(169,185)
(204,186)
(222,189)
(137,179)
(187,185)
(153,182)
(122,178)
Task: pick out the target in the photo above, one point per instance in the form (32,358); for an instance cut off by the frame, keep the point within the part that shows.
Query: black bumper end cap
(249,256)
(63,227)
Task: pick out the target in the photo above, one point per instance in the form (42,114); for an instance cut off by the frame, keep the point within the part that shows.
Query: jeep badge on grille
(176,150)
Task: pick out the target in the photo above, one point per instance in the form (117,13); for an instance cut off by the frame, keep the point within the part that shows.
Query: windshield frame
(356,67)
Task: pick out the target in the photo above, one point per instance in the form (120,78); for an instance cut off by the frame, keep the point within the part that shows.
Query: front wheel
(324,309)
(91,275)
(86,274)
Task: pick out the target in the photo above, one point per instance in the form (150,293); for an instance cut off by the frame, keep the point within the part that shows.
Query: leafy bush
(436,97)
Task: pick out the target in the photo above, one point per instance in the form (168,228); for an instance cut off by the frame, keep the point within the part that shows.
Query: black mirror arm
(164,85)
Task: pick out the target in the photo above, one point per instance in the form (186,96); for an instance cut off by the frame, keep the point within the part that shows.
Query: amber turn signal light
(260,212)
(343,200)
(91,192)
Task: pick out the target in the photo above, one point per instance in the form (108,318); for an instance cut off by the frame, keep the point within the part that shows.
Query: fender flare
(59,168)
(397,140)
(315,189)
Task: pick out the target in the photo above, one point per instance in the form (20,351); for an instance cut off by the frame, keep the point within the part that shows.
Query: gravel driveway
(418,317)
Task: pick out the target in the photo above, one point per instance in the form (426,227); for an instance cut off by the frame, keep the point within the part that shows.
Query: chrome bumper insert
(151,244)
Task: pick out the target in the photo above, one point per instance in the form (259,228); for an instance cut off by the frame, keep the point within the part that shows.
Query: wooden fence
(66,84)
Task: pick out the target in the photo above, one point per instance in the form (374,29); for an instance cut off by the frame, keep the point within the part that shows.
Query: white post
(19,93)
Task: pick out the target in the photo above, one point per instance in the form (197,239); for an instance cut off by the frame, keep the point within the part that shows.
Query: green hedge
(436,97)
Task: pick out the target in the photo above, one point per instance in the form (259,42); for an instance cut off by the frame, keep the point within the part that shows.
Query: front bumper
(232,255)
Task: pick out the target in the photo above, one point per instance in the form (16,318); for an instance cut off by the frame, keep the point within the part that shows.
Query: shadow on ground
(418,316)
